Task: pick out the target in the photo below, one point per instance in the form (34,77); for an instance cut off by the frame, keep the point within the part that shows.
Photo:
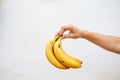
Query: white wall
(28,24)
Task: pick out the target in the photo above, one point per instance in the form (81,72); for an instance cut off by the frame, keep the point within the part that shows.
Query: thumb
(68,36)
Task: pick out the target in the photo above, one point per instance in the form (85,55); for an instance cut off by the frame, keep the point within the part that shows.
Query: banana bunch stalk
(58,57)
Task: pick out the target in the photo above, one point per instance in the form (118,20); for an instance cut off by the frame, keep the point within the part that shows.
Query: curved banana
(63,57)
(50,55)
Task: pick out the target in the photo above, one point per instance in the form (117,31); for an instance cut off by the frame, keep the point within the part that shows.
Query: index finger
(63,29)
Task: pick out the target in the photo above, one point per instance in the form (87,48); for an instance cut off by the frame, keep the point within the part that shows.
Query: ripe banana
(50,55)
(63,57)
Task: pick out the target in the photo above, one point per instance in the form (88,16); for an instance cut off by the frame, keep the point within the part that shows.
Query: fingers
(73,32)
(68,36)
(63,29)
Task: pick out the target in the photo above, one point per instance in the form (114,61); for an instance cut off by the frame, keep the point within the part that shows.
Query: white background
(26,25)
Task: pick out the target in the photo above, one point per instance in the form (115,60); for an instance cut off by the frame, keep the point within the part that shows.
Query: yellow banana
(63,57)
(50,55)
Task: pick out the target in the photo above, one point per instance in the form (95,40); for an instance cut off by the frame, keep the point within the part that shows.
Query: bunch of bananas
(57,56)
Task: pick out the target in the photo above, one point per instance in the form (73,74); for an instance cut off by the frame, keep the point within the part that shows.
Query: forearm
(110,43)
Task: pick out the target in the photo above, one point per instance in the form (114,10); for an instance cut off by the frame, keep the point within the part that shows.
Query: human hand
(101,40)
(74,32)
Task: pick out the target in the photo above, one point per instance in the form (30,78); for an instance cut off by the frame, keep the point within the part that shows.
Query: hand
(74,32)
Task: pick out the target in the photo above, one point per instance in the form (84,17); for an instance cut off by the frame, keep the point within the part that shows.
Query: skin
(110,43)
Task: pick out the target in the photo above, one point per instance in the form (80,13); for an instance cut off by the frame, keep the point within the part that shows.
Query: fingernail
(60,34)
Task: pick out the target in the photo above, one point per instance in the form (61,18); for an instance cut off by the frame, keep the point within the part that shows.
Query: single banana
(63,57)
(50,55)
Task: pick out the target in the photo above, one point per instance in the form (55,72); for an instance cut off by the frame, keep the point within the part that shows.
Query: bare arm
(110,43)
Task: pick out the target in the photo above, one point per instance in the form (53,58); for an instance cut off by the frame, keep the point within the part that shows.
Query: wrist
(83,33)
